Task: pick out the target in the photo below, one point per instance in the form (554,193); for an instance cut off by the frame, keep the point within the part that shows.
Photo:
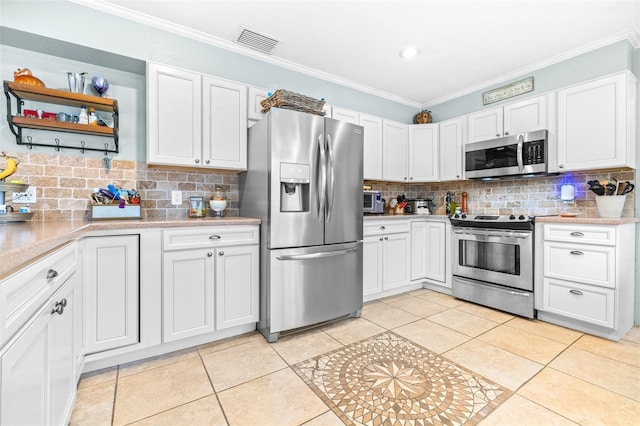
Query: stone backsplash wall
(63,185)
(535,196)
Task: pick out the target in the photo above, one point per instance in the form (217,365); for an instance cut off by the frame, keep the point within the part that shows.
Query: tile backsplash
(533,196)
(64,183)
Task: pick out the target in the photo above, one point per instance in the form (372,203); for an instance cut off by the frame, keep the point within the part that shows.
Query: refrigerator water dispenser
(294,187)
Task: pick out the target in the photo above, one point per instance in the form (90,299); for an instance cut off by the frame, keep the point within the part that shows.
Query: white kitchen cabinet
(395,150)
(188,293)
(428,251)
(346,115)
(596,124)
(37,366)
(388,252)
(523,116)
(372,151)
(111,292)
(210,280)
(254,108)
(584,281)
(195,120)
(237,278)
(451,152)
(423,153)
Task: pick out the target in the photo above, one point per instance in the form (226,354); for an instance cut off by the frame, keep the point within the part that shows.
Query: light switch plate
(176,198)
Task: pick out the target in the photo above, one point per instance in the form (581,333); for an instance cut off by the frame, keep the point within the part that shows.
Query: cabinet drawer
(203,237)
(583,263)
(388,227)
(587,303)
(584,234)
(23,293)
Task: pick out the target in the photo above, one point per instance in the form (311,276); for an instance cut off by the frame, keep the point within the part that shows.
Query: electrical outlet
(176,198)
(26,197)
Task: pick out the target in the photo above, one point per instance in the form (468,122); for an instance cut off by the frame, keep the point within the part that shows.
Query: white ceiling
(465,45)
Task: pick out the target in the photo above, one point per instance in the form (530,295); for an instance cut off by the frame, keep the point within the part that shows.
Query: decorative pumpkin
(423,117)
(24,76)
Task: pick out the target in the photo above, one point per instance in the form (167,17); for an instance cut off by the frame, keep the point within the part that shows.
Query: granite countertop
(23,242)
(439,217)
(587,220)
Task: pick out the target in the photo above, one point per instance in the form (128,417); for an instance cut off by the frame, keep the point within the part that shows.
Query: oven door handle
(483,233)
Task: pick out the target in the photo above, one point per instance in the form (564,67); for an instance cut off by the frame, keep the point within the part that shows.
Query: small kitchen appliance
(373,202)
(517,155)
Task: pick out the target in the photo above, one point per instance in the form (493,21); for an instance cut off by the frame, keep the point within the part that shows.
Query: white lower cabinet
(584,282)
(210,280)
(429,251)
(38,366)
(111,292)
(386,256)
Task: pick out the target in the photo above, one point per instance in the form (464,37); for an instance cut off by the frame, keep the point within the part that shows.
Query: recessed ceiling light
(409,52)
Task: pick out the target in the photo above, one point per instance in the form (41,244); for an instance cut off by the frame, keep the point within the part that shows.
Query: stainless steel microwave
(373,202)
(517,155)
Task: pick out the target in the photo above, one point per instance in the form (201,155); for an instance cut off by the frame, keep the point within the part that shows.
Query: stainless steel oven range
(493,261)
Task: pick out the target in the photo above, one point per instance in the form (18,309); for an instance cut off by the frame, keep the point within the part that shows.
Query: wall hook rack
(18,122)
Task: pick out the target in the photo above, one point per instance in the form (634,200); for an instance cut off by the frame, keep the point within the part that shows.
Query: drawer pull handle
(52,273)
(382,227)
(577,252)
(215,237)
(577,234)
(578,292)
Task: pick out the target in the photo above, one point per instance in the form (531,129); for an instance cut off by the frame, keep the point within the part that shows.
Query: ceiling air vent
(256,41)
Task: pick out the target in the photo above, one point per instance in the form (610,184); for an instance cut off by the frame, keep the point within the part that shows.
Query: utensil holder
(610,205)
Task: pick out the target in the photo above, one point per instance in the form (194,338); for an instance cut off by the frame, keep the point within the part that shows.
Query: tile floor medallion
(387,379)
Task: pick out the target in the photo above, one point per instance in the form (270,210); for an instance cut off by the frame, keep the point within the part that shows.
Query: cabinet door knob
(386,238)
(208,161)
(506,133)
(497,135)
(52,273)
(405,178)
(381,238)
(221,253)
(63,303)
(576,252)
(561,166)
(58,309)
(197,161)
(578,292)
(209,254)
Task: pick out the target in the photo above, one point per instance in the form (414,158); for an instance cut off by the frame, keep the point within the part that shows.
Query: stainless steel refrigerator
(304,181)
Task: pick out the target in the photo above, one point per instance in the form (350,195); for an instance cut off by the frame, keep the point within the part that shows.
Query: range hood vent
(256,41)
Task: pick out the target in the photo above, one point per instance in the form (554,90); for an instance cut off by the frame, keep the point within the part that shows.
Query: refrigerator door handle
(320,191)
(312,256)
(330,178)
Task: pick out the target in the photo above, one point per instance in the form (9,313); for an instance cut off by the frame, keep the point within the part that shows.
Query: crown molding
(632,35)
(200,36)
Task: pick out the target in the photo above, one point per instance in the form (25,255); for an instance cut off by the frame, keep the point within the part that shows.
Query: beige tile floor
(558,376)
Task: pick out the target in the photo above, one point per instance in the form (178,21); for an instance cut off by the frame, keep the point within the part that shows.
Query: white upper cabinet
(255,96)
(596,124)
(423,153)
(372,159)
(174,118)
(395,150)
(523,116)
(195,120)
(346,115)
(451,154)
(372,165)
